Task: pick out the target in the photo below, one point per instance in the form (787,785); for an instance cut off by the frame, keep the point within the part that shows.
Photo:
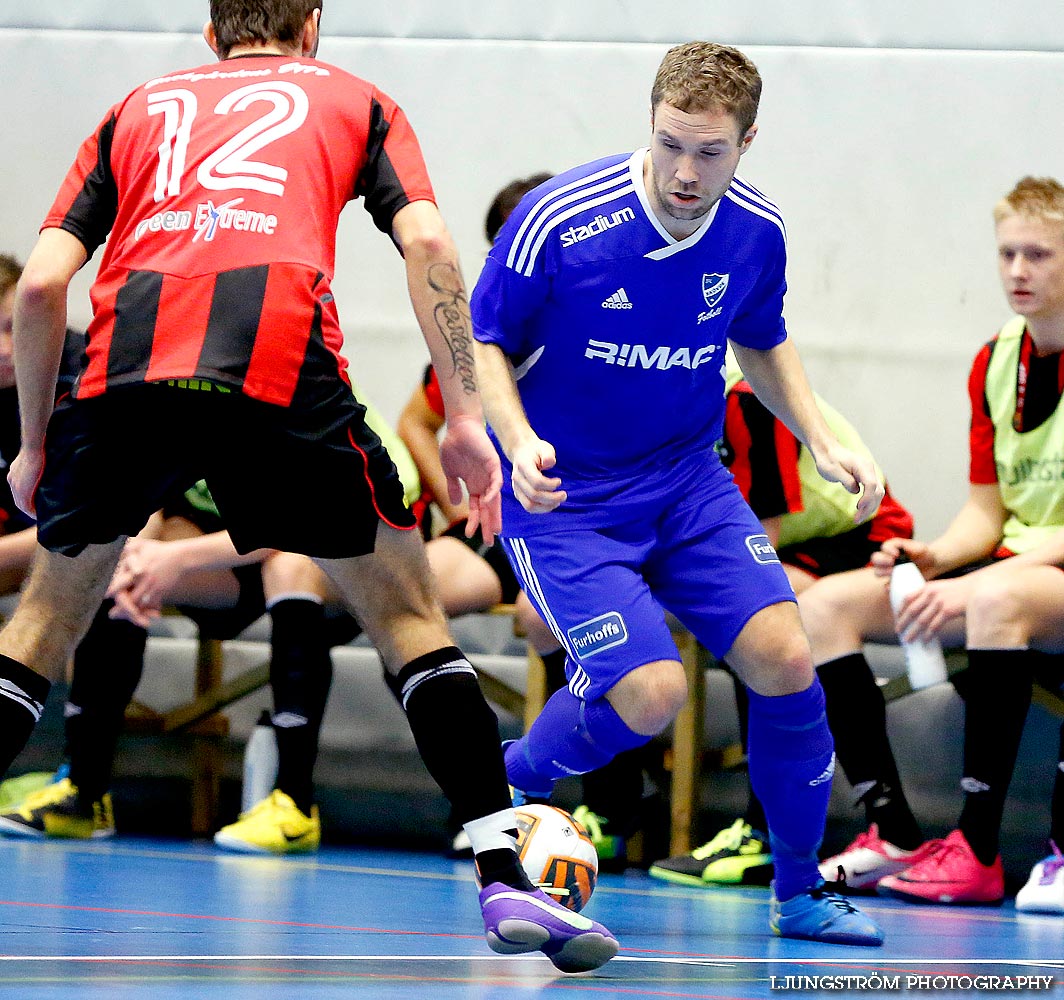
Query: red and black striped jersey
(430,384)
(762,456)
(1043,381)
(218,191)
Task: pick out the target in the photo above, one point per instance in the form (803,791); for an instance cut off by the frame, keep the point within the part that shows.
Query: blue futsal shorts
(604,591)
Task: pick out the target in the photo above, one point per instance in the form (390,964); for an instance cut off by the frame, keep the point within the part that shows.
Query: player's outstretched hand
(857,473)
(467,456)
(537,493)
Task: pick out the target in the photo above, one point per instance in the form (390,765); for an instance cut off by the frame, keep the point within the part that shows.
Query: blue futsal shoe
(516,922)
(821,915)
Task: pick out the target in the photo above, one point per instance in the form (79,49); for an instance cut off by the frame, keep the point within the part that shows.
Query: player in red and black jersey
(213,354)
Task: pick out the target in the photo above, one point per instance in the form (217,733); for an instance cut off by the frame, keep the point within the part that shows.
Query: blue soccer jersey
(617,331)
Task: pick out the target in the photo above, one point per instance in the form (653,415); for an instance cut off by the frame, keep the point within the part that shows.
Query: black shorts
(494,555)
(111,461)
(820,557)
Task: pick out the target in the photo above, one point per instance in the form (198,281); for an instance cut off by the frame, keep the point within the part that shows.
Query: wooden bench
(201,715)
(687,755)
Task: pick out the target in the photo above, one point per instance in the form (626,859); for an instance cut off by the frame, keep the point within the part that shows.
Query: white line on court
(677,960)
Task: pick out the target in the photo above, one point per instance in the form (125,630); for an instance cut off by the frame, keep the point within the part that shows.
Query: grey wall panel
(966,24)
(885,162)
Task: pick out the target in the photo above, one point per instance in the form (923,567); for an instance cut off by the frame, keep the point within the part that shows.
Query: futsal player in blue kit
(603,314)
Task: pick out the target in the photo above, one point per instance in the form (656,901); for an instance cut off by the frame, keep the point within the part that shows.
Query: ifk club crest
(713,288)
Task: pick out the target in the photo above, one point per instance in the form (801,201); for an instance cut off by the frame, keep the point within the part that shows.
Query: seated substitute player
(185,557)
(603,313)
(233,289)
(994,577)
(18,535)
(810,522)
(472,576)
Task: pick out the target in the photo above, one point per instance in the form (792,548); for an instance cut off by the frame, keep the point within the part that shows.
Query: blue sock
(791,762)
(570,736)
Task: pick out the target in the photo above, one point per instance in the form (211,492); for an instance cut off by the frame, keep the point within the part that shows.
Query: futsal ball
(557,854)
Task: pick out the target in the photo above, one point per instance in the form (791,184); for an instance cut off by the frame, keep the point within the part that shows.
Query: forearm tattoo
(451,314)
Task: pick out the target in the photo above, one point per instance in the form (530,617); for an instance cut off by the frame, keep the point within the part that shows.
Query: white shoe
(461,846)
(1044,891)
(868,859)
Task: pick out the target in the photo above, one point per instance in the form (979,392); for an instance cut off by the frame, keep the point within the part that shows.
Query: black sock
(857,716)
(300,675)
(457,735)
(108,664)
(1056,829)
(502,865)
(754,814)
(615,792)
(23,693)
(456,732)
(554,669)
(998,695)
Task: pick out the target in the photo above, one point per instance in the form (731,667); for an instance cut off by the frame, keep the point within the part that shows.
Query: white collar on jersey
(672,245)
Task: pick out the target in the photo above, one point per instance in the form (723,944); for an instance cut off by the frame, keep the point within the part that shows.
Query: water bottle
(923,657)
(260,763)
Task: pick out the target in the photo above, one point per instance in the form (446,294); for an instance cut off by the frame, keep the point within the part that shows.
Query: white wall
(887,133)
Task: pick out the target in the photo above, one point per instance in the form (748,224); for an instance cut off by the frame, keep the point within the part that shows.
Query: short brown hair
(1040,197)
(10,272)
(506,201)
(704,76)
(240,22)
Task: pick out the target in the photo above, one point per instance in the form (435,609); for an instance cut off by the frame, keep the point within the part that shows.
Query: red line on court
(238,920)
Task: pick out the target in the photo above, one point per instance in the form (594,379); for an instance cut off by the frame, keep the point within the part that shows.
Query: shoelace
(263,805)
(938,852)
(49,795)
(1051,866)
(833,898)
(729,839)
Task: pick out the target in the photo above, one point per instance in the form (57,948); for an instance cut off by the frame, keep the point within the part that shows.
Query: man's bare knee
(648,698)
(392,594)
(62,595)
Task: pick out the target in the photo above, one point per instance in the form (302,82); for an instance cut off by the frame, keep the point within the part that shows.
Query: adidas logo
(825,775)
(618,300)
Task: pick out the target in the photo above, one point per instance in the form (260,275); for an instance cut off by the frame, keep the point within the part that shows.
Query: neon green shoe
(273,826)
(609,846)
(53,811)
(733,857)
(14,790)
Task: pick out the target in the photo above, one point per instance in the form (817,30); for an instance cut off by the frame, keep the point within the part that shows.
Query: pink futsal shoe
(516,922)
(868,859)
(949,873)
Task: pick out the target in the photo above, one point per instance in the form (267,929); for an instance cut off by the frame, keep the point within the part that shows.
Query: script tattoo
(451,313)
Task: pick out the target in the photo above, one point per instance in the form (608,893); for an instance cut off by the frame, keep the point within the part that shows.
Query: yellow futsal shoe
(273,826)
(53,811)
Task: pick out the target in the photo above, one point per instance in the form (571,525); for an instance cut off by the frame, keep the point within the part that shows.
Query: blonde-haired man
(995,573)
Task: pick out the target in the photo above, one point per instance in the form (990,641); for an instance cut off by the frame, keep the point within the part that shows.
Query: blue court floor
(160,919)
